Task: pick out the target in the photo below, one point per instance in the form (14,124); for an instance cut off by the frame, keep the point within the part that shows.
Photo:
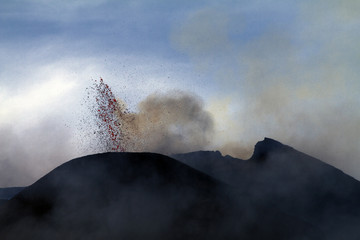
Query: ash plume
(171,122)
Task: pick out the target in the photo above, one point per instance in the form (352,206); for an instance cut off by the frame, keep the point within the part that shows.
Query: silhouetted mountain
(7,193)
(140,196)
(292,182)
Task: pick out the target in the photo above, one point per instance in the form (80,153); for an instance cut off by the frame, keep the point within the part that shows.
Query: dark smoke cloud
(171,122)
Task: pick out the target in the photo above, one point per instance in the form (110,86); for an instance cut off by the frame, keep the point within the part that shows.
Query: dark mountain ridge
(291,181)
(140,196)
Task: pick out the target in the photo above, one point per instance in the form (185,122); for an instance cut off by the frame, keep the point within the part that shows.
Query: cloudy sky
(282,69)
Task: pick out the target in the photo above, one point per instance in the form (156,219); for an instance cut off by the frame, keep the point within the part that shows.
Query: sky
(287,70)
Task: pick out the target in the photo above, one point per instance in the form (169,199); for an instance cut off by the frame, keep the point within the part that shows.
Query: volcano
(279,193)
(141,196)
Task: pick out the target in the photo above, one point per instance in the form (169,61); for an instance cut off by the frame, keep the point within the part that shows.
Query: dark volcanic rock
(140,196)
(292,182)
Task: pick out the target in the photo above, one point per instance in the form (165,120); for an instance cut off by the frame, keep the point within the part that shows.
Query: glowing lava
(106,111)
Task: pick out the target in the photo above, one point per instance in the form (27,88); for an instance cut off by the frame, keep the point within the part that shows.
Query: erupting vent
(107,112)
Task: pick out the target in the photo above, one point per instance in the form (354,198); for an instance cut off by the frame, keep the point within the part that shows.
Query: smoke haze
(276,89)
(22,161)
